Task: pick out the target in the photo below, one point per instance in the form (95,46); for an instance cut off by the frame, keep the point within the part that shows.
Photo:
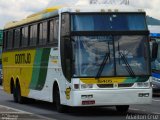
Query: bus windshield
(108,22)
(126,55)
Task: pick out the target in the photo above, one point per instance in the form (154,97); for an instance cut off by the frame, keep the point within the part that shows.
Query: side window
(43,33)
(33,35)
(24,41)
(17,36)
(1,36)
(56,30)
(9,39)
(40,33)
(53,31)
(4,40)
(65,30)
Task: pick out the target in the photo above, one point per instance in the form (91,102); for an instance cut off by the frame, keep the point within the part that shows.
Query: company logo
(24,58)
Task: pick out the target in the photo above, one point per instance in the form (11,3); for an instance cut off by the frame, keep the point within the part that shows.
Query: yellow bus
(89,55)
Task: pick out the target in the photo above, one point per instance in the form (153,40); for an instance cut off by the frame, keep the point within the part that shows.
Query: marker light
(102,10)
(109,10)
(116,10)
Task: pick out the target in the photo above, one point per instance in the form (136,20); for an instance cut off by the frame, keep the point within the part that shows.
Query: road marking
(12,113)
(144,111)
(155,100)
(22,112)
(133,109)
(156,113)
(137,110)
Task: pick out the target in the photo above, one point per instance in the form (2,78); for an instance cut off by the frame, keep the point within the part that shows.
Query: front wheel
(122,108)
(60,108)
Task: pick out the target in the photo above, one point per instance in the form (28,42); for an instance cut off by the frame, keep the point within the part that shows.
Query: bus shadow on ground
(156,95)
(80,111)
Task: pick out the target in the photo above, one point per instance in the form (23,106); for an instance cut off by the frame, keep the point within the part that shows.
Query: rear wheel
(15,97)
(17,94)
(60,108)
(122,108)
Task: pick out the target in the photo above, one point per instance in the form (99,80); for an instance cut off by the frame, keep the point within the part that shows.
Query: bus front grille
(112,85)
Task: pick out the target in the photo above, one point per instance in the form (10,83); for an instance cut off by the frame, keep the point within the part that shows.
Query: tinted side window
(33,35)
(4,40)
(56,30)
(65,24)
(25,37)
(9,39)
(17,36)
(43,33)
(53,31)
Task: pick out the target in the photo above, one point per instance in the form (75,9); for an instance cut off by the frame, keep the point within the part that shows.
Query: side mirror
(154,50)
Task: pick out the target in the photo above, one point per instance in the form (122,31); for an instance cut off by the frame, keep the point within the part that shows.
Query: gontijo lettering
(24,58)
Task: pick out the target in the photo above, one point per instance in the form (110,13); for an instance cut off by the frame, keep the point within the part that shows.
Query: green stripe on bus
(36,69)
(43,68)
(40,68)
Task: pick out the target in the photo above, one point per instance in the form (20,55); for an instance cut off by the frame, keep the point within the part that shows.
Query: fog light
(146,94)
(86,96)
(76,86)
(143,95)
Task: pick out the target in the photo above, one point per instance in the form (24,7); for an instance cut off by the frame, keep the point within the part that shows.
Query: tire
(15,97)
(122,108)
(17,94)
(60,108)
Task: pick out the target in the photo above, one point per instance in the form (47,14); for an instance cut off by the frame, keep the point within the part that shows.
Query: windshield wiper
(102,65)
(128,67)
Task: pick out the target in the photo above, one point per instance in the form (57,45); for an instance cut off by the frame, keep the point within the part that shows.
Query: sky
(14,10)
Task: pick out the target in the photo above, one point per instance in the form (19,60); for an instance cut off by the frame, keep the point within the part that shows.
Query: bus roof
(53,11)
(33,17)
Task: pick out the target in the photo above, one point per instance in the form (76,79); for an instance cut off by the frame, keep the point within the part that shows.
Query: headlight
(85,86)
(143,84)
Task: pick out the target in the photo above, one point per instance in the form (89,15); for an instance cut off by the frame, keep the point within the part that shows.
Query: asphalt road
(36,110)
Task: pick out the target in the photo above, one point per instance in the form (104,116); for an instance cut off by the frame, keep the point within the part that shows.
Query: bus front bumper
(110,97)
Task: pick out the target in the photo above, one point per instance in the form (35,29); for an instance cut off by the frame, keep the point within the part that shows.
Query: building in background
(153,25)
